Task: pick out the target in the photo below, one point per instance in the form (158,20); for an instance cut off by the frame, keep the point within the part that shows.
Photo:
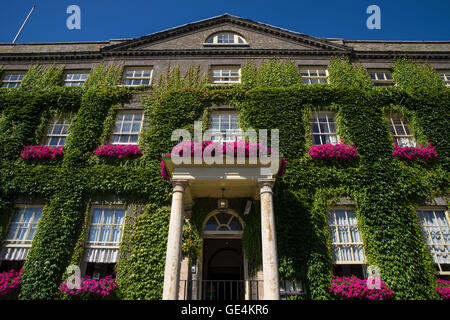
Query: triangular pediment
(258,36)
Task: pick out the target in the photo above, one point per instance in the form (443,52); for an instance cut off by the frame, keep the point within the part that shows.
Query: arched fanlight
(223,221)
(226,38)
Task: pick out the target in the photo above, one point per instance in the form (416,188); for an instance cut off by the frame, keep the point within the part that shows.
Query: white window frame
(6,83)
(314,118)
(427,238)
(231,134)
(339,243)
(226,233)
(107,244)
(51,126)
(311,73)
(445,76)
(221,79)
(381,81)
(214,39)
(405,126)
(137,77)
(121,132)
(70,82)
(20,209)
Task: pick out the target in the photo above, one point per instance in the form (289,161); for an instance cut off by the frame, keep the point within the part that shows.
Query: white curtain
(14,253)
(101,255)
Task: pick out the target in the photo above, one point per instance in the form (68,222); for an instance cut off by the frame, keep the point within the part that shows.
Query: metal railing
(232,289)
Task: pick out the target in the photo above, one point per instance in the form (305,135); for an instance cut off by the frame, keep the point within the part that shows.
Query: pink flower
(118,151)
(333,151)
(420,152)
(41,152)
(355,288)
(236,148)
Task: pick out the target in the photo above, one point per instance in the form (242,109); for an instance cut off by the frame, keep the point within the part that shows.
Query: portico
(191,181)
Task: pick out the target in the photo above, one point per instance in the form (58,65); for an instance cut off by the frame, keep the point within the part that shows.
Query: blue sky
(108,19)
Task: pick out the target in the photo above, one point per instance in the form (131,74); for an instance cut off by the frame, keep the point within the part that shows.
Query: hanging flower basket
(355,288)
(9,282)
(333,152)
(420,152)
(236,148)
(118,151)
(90,288)
(443,289)
(41,152)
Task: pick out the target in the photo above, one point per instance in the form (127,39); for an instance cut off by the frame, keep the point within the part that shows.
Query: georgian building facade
(220,46)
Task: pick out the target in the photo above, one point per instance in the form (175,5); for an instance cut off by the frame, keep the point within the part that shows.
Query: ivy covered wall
(386,190)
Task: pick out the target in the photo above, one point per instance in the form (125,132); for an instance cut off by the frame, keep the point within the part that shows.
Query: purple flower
(118,151)
(333,151)
(420,152)
(41,152)
(236,148)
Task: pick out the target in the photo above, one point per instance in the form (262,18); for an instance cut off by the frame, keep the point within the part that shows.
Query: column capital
(179,184)
(266,183)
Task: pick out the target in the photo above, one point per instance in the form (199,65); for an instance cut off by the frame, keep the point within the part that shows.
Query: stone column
(173,252)
(269,241)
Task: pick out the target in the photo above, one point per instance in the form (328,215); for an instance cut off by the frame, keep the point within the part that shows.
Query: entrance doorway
(223,269)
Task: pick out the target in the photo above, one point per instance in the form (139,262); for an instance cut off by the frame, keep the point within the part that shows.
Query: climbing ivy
(410,75)
(271,73)
(105,76)
(343,73)
(386,190)
(39,77)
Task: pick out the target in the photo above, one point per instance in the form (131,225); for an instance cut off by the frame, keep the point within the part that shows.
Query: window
(312,75)
(381,78)
(323,128)
(127,127)
(20,235)
(12,79)
(75,78)
(226,38)
(224,126)
(23,225)
(226,74)
(106,227)
(445,75)
(401,131)
(436,230)
(220,222)
(104,236)
(137,76)
(346,242)
(57,132)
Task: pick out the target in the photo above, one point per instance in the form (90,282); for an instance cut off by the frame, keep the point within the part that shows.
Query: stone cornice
(400,54)
(227,52)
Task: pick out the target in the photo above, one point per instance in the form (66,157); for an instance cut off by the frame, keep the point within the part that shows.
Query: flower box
(41,152)
(333,151)
(236,148)
(355,288)
(90,288)
(118,151)
(443,289)
(9,282)
(420,152)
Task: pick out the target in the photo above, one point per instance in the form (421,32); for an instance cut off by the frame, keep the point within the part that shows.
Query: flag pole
(18,33)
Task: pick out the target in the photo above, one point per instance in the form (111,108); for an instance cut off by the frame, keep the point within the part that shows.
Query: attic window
(225,39)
